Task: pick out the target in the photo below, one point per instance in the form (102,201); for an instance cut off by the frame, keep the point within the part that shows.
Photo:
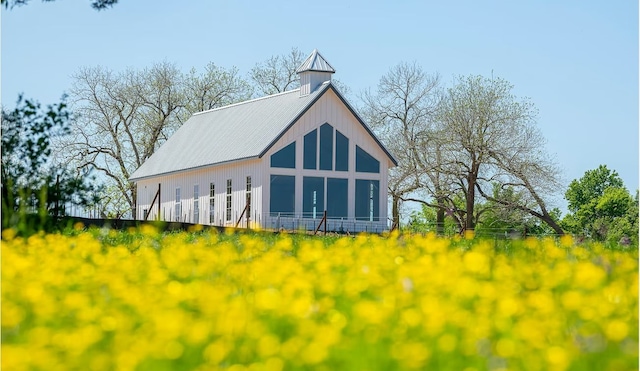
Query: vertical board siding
(328,109)
(237,172)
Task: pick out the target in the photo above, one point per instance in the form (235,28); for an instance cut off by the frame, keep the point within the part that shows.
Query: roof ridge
(247,101)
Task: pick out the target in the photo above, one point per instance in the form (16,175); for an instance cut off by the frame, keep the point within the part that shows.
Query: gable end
(353,112)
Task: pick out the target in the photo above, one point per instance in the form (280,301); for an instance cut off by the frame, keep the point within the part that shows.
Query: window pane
(365,163)
(285,158)
(248,197)
(367,200)
(326,147)
(178,207)
(312,197)
(212,209)
(283,195)
(310,143)
(196,204)
(337,198)
(228,216)
(342,152)
(212,202)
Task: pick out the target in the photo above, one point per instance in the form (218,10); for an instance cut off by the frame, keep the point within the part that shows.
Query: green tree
(600,207)
(490,136)
(426,220)
(32,183)
(499,219)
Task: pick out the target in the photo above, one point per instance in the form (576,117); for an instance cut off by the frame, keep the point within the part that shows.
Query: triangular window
(365,163)
(285,158)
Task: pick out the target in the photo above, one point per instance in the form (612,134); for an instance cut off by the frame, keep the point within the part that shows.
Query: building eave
(174,172)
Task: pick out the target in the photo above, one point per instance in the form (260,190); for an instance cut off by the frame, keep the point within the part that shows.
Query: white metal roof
(315,62)
(235,132)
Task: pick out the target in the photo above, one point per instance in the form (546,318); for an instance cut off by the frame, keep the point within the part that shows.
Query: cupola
(313,72)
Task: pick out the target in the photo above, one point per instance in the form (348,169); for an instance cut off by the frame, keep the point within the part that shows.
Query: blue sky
(576,60)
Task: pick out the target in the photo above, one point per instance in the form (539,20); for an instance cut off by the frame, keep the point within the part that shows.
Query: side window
(196,204)
(178,206)
(212,203)
(248,196)
(228,214)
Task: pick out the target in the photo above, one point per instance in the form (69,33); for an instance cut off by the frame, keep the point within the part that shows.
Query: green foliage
(493,219)
(504,219)
(424,220)
(31,183)
(601,207)
(590,187)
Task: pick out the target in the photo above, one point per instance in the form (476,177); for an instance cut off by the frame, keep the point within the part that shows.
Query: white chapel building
(280,161)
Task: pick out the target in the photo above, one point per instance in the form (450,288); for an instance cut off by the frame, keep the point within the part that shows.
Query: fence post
(325,222)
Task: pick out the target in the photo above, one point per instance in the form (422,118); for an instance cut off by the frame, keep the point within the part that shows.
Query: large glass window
(365,163)
(337,198)
(367,200)
(285,158)
(342,152)
(326,147)
(282,195)
(312,197)
(310,150)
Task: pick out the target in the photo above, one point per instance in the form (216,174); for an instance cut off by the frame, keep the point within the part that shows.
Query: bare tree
(401,112)
(95,4)
(123,118)
(491,137)
(216,87)
(278,73)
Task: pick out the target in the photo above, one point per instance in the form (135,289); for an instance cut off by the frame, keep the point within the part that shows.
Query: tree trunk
(440,215)
(552,223)
(470,202)
(134,200)
(395,213)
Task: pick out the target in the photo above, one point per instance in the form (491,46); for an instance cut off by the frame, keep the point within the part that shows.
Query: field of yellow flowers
(143,300)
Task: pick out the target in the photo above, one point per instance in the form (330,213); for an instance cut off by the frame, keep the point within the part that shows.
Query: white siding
(218,175)
(310,80)
(329,109)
